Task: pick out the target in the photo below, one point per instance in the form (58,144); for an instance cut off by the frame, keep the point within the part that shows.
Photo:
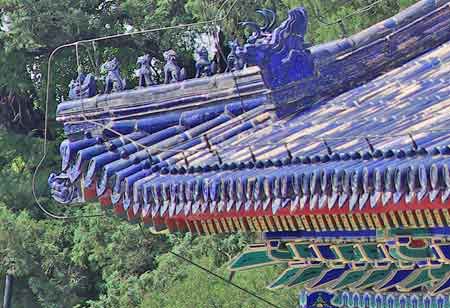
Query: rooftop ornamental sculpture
(144,71)
(113,80)
(282,55)
(234,63)
(264,31)
(62,189)
(82,87)
(172,71)
(203,66)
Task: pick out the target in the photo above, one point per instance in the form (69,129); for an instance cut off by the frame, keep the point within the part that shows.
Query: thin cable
(321,19)
(211,273)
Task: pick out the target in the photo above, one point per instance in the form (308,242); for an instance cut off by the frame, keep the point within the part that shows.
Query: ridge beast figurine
(234,63)
(282,54)
(82,87)
(113,80)
(144,71)
(172,72)
(203,66)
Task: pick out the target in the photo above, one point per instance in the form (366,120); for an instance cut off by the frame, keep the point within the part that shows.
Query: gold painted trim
(277,223)
(420,219)
(210,225)
(218,226)
(369,222)
(321,222)
(403,219)
(291,223)
(224,225)
(361,221)
(394,219)
(446,216)
(250,224)
(237,224)
(313,220)
(429,218)
(345,222)
(438,219)
(337,222)
(330,223)
(204,227)
(377,221)
(305,222)
(256,224)
(270,223)
(299,223)
(263,224)
(385,220)
(353,223)
(284,223)
(230,224)
(411,219)
(243,225)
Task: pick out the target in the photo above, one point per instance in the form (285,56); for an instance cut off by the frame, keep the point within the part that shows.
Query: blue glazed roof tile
(384,141)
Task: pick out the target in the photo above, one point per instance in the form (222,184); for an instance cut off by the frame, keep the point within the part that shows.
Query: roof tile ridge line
(387,37)
(350,53)
(422,4)
(163,111)
(308,161)
(224,90)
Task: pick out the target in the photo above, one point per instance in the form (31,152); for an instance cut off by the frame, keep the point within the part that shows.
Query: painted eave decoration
(339,153)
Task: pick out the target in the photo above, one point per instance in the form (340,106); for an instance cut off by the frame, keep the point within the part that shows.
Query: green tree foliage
(106,262)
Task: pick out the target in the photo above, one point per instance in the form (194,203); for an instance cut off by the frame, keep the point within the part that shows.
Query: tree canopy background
(105,261)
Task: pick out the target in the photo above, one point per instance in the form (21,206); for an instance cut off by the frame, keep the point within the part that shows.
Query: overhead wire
(217,276)
(321,19)
(318,15)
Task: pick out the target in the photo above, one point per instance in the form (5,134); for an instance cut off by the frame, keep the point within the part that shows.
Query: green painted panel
(416,253)
(348,252)
(375,276)
(372,251)
(350,278)
(284,279)
(308,274)
(417,232)
(279,254)
(440,272)
(421,279)
(251,259)
(303,250)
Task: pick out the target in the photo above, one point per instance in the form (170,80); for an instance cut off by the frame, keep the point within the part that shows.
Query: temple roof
(365,133)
